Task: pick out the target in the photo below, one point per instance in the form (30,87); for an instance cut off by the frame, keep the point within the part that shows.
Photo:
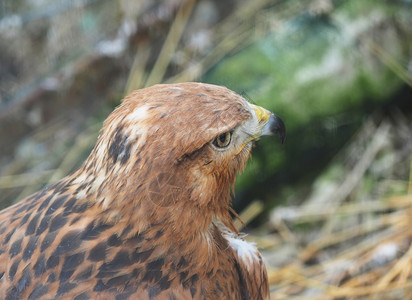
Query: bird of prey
(147,215)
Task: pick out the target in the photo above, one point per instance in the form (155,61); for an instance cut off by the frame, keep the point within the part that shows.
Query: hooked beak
(271,123)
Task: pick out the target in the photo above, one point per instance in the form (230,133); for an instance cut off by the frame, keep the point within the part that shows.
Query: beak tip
(278,127)
(273,124)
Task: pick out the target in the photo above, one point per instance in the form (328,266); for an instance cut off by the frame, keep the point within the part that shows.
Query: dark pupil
(222,138)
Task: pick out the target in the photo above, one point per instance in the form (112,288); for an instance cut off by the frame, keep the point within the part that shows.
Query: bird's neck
(174,231)
(124,201)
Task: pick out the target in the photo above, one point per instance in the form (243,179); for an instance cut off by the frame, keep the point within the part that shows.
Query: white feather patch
(138,114)
(246,251)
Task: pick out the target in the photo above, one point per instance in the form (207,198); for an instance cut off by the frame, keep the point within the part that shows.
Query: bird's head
(176,148)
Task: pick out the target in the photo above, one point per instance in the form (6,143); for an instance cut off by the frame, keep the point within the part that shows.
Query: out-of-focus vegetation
(336,197)
(324,72)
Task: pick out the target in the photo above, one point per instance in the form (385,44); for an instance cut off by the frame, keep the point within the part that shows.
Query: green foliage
(320,77)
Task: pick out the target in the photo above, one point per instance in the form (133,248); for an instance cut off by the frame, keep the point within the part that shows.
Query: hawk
(147,215)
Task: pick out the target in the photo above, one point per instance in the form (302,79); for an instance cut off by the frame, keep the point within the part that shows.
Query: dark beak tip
(282,138)
(278,127)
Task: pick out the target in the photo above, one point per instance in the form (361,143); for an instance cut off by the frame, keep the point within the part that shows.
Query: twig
(236,30)
(83,142)
(13,181)
(248,214)
(170,45)
(354,177)
(389,61)
(137,74)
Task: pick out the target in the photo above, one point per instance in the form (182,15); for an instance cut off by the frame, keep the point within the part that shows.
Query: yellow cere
(263,117)
(261,113)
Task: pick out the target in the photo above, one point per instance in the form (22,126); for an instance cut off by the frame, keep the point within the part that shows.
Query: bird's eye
(223,140)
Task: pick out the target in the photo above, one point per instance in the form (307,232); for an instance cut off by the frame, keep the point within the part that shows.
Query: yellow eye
(223,140)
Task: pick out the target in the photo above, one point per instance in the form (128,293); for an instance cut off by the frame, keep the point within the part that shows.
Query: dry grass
(337,244)
(354,245)
(372,258)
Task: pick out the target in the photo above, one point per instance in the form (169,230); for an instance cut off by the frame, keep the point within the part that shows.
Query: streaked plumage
(147,214)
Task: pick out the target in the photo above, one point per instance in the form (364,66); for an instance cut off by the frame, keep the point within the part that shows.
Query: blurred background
(331,209)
